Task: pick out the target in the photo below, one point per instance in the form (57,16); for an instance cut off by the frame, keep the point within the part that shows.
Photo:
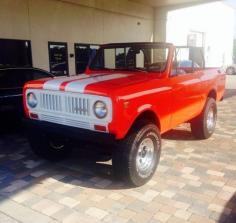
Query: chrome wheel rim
(211,120)
(145,156)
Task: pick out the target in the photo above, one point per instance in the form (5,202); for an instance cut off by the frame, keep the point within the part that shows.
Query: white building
(210,26)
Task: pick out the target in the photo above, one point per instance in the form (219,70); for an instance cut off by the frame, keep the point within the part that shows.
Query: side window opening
(187,60)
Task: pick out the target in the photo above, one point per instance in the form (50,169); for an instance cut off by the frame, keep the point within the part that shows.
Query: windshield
(148,58)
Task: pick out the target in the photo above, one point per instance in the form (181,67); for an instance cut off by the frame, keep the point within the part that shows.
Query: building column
(160,22)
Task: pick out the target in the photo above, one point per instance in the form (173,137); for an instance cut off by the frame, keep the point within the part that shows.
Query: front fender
(126,117)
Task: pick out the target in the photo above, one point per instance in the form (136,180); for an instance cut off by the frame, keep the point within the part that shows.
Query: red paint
(100,128)
(173,100)
(33,116)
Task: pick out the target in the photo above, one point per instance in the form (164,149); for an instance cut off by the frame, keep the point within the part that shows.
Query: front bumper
(69,132)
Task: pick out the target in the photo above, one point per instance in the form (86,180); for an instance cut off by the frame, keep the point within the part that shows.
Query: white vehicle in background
(231,69)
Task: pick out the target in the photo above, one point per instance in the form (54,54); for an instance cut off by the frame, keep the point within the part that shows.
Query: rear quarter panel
(213,79)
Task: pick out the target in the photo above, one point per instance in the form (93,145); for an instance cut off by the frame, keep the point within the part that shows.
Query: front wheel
(137,156)
(204,126)
(48,146)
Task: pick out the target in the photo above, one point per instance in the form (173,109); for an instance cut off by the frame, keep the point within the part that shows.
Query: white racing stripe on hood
(56,83)
(80,85)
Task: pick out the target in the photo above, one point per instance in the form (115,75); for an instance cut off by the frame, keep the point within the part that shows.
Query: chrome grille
(51,102)
(64,103)
(75,105)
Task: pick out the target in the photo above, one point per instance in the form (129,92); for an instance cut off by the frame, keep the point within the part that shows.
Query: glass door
(58,58)
(84,53)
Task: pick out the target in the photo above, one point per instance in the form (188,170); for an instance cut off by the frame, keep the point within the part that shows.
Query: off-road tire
(199,125)
(125,153)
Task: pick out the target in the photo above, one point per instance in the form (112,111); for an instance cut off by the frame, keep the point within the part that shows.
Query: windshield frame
(132,45)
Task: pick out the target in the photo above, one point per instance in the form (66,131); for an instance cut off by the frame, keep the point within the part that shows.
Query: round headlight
(32,100)
(100,109)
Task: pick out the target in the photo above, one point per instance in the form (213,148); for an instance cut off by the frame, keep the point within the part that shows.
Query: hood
(100,84)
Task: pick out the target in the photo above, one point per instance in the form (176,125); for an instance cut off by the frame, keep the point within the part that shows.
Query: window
(34,74)
(140,57)
(158,58)
(84,53)
(187,60)
(37,74)
(92,52)
(110,59)
(15,53)
(120,57)
(58,58)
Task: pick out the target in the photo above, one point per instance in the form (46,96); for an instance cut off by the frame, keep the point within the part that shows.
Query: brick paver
(195,182)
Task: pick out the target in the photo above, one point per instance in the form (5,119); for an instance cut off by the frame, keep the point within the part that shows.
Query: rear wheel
(204,125)
(50,147)
(137,156)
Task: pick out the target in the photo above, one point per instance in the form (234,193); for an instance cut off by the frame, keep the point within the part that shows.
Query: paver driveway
(195,182)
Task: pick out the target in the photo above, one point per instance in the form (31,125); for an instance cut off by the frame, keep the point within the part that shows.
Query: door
(187,87)
(84,53)
(58,58)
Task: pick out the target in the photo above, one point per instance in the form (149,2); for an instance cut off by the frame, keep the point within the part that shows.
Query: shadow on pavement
(10,124)
(85,167)
(181,133)
(230,206)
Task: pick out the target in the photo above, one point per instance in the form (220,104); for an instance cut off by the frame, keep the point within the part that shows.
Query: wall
(73,21)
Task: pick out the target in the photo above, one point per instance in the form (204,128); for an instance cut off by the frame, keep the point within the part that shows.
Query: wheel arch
(212,94)
(148,115)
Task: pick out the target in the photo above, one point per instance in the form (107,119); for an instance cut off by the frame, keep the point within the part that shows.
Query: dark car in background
(12,81)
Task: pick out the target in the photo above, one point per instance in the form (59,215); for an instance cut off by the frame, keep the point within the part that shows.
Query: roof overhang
(169,3)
